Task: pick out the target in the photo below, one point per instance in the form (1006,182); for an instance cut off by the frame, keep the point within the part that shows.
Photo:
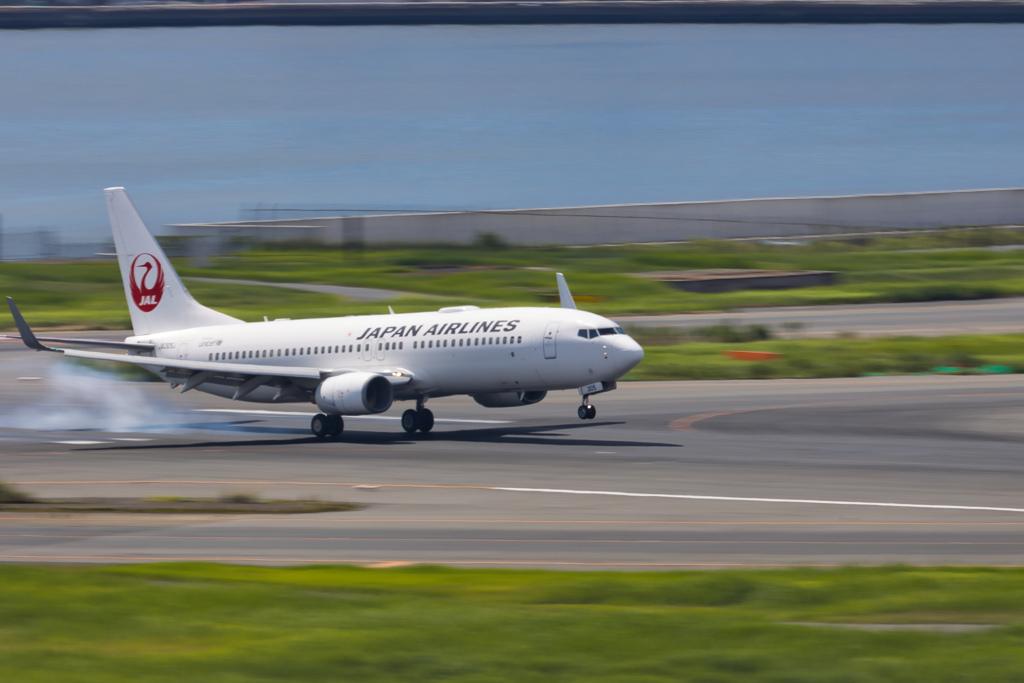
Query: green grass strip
(838,357)
(89,294)
(200,622)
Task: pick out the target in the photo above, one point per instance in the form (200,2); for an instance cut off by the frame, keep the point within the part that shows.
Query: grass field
(88,294)
(839,357)
(227,623)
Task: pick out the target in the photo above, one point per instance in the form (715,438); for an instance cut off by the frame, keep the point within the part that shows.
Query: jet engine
(354,393)
(508,399)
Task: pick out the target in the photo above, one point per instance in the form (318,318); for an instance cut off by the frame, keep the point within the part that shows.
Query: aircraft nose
(628,354)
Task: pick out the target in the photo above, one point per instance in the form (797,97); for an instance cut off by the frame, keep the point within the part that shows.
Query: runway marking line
(510,489)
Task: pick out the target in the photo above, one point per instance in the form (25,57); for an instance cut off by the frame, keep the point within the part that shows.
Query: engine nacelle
(354,393)
(509,399)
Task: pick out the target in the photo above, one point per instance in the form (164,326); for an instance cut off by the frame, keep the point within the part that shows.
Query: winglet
(26,332)
(564,297)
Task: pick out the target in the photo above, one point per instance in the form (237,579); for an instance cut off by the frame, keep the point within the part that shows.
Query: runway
(670,475)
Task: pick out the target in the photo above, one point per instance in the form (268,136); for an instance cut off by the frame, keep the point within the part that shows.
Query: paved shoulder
(983,316)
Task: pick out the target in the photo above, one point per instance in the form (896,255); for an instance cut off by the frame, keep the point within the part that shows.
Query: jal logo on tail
(147,282)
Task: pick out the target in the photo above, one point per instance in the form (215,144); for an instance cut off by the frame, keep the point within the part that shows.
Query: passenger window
(519,340)
(401,345)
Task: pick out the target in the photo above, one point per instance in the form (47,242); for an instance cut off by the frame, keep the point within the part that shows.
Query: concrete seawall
(741,219)
(482,12)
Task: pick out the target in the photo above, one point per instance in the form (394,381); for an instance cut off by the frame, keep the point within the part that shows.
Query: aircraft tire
(410,423)
(582,412)
(337,426)
(591,412)
(424,420)
(320,425)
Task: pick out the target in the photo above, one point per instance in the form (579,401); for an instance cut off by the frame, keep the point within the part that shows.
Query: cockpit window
(590,333)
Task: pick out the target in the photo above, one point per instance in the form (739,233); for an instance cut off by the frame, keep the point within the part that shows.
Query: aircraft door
(380,350)
(550,340)
(368,351)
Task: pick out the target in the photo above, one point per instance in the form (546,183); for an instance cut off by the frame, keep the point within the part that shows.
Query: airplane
(352,365)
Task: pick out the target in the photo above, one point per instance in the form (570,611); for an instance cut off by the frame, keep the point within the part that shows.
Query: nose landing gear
(586,411)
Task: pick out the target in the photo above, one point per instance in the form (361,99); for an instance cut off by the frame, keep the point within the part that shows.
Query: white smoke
(80,398)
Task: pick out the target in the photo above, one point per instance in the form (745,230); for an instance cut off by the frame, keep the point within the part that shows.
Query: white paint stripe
(763,500)
(309,416)
(128,438)
(79,443)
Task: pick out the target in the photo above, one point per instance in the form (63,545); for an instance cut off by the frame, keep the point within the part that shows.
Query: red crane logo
(146,280)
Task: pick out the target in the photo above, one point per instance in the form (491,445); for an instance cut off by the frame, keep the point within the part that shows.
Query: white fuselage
(474,351)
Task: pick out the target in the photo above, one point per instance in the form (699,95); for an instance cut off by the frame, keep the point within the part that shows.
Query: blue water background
(197,123)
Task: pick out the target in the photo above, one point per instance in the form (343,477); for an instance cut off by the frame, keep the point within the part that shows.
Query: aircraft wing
(108,343)
(245,377)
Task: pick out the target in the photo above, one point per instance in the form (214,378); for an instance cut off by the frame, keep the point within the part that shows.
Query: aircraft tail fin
(157,299)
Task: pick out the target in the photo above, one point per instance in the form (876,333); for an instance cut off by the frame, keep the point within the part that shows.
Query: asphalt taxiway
(923,470)
(919,319)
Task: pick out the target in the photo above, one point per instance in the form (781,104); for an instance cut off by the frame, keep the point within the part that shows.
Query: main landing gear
(586,411)
(324,426)
(421,419)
